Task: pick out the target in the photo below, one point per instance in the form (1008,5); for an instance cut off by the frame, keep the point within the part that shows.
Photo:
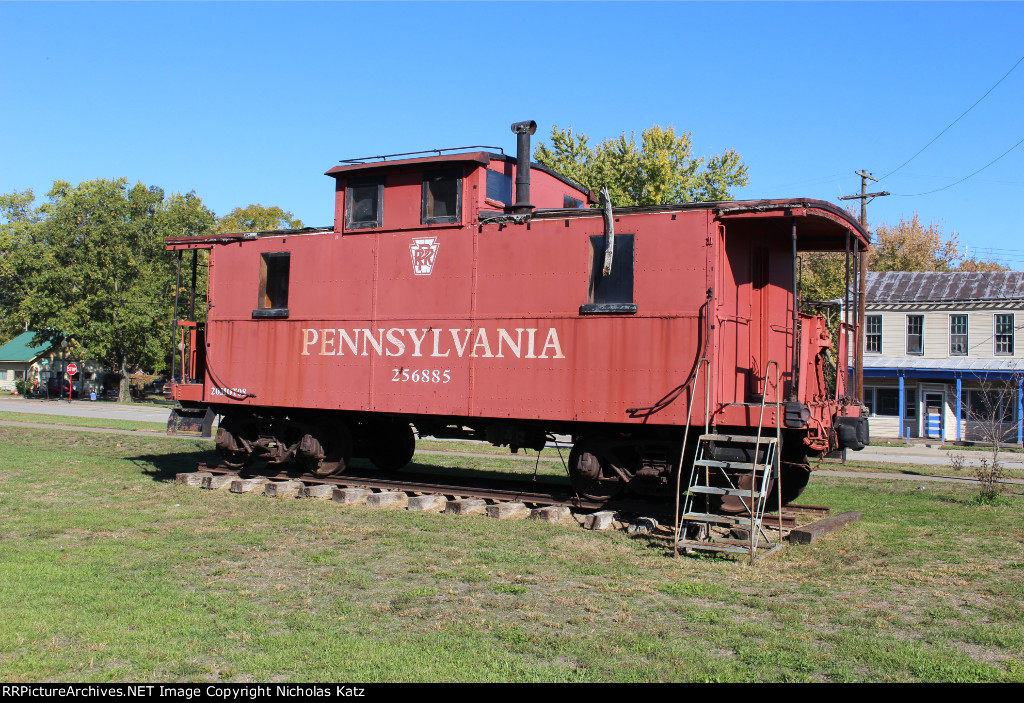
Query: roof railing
(438,152)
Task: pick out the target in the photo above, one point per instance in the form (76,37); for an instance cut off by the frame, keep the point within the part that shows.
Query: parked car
(58,386)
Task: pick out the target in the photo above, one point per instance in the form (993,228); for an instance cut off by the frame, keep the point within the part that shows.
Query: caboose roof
(480,157)
(821,226)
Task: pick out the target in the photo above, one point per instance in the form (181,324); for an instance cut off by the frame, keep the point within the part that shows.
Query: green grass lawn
(110,571)
(73,421)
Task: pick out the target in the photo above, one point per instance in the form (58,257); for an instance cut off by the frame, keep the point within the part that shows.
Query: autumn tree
(910,246)
(104,281)
(907,246)
(659,170)
(258,218)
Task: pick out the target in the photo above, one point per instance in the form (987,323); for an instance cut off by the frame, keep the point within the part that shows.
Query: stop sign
(72,368)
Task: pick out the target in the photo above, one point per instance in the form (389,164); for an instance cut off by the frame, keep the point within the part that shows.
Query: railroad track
(460,492)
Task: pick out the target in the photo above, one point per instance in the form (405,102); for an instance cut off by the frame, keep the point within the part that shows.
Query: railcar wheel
(336,441)
(229,444)
(592,470)
(391,445)
(796,472)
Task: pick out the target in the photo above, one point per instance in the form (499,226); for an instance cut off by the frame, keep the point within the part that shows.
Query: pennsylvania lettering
(520,342)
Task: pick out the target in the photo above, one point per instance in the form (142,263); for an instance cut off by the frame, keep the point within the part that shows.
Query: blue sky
(252,102)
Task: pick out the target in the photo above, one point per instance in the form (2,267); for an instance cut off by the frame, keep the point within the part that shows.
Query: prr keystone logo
(424,252)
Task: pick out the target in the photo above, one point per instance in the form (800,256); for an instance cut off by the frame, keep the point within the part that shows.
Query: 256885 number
(422,375)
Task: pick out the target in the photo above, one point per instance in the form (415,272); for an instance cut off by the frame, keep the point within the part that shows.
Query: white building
(940,350)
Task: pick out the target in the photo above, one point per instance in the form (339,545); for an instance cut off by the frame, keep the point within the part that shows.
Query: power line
(914,195)
(953,122)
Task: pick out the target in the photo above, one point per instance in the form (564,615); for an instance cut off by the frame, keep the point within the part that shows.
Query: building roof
(952,368)
(933,287)
(21,348)
(956,363)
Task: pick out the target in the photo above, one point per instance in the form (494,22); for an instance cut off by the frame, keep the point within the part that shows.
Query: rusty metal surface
(477,322)
(933,287)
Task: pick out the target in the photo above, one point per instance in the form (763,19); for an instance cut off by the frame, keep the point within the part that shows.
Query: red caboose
(438,301)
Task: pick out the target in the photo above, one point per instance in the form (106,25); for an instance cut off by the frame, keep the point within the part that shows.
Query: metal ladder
(715,477)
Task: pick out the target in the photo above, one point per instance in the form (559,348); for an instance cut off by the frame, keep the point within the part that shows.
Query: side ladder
(725,493)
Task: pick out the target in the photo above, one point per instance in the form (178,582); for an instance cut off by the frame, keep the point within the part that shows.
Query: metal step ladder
(714,481)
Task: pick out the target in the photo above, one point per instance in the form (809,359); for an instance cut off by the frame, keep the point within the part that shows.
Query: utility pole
(864,197)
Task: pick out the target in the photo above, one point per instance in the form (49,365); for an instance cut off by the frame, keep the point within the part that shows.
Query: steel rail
(536,496)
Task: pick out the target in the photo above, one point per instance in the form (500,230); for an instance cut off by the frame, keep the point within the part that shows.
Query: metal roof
(933,286)
(952,364)
(21,348)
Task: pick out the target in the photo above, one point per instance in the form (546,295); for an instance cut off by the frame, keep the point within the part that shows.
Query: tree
(105,282)
(910,246)
(907,246)
(257,218)
(990,412)
(19,257)
(660,170)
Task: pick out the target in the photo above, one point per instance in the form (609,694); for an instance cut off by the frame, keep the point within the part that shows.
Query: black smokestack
(523,130)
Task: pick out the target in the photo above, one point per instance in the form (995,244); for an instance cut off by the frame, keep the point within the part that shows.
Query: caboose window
(442,197)
(612,293)
(364,202)
(499,187)
(273,301)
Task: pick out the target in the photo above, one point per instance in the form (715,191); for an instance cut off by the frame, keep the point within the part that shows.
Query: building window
(1004,334)
(442,197)
(915,334)
(612,293)
(364,203)
(883,402)
(873,327)
(273,299)
(571,203)
(887,402)
(958,335)
(910,403)
(996,404)
(499,187)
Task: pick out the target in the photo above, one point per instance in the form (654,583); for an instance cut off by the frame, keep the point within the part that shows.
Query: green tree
(907,246)
(20,245)
(257,218)
(661,169)
(105,282)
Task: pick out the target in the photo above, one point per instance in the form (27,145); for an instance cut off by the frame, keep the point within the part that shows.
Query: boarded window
(364,203)
(612,293)
(442,197)
(273,299)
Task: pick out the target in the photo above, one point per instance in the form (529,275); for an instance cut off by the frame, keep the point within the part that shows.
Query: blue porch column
(1020,410)
(903,404)
(959,405)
